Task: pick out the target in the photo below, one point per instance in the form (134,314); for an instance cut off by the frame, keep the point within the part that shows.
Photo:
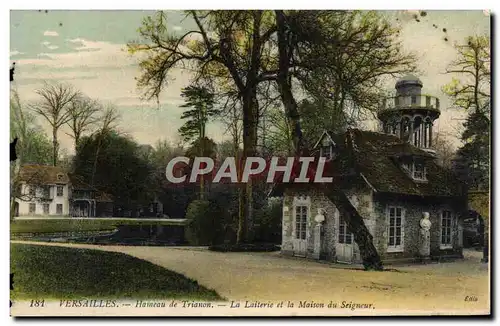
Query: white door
(300,230)
(344,248)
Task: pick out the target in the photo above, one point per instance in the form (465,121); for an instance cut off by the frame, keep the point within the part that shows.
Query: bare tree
(53,107)
(82,115)
(444,149)
(109,119)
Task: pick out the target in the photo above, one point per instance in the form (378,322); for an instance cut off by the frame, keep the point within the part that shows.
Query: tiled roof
(47,174)
(375,156)
(43,174)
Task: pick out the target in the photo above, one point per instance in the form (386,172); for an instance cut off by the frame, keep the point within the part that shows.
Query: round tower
(410,115)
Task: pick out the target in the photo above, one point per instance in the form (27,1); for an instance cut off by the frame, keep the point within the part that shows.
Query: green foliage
(205,147)
(472,162)
(33,145)
(201,101)
(200,223)
(346,55)
(223,199)
(470,91)
(268,221)
(120,169)
(214,220)
(321,114)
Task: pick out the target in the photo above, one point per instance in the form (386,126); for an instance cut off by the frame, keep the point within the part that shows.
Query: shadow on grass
(47,272)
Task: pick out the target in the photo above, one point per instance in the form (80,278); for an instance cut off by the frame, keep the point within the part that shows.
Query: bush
(208,223)
(245,247)
(267,223)
(200,219)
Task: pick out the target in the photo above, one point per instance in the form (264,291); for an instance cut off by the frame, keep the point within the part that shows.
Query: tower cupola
(410,115)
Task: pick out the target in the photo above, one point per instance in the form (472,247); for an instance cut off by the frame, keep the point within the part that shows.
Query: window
(413,99)
(300,222)
(326,151)
(446,229)
(395,229)
(59,209)
(32,190)
(344,235)
(419,171)
(32,208)
(416,170)
(46,192)
(60,177)
(60,191)
(46,209)
(396,101)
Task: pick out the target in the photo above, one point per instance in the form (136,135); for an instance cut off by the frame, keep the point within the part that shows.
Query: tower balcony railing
(410,102)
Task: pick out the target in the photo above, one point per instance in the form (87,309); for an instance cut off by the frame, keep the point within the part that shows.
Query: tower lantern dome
(409,85)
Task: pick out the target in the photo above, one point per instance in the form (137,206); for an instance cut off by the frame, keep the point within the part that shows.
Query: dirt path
(267,276)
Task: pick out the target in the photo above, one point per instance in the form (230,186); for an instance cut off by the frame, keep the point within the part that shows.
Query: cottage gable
(326,146)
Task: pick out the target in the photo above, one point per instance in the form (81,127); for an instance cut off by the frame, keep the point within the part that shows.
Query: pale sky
(87,49)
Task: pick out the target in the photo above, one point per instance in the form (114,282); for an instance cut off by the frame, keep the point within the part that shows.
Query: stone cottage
(391,178)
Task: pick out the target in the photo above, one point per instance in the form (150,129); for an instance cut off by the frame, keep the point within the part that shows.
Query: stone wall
(360,197)
(373,207)
(414,208)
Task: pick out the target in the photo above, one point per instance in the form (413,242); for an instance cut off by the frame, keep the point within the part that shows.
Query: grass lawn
(73,224)
(47,272)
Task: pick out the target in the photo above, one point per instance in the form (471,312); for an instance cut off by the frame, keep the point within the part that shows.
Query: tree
(120,169)
(53,107)
(279,134)
(350,52)
(82,115)
(204,147)
(201,100)
(109,119)
(227,48)
(175,197)
(444,149)
(32,147)
(321,114)
(240,51)
(470,91)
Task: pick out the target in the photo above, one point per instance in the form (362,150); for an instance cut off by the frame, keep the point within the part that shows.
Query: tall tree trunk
(77,139)
(94,168)
(250,123)
(55,146)
(354,221)
(249,146)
